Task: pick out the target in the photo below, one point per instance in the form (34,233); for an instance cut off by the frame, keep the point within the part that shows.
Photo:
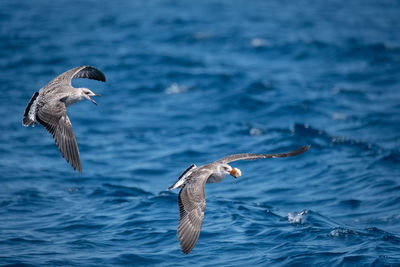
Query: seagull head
(226,169)
(86,93)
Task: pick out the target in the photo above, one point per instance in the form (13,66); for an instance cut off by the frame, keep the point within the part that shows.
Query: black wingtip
(99,75)
(90,72)
(185,251)
(75,165)
(26,122)
(301,150)
(292,153)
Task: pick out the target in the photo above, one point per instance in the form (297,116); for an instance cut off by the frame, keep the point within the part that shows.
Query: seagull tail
(171,187)
(182,179)
(29,115)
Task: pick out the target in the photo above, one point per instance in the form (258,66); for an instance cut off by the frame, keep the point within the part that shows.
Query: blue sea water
(190,82)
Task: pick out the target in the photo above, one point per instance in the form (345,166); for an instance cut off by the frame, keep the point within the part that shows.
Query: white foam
(175,89)
(297,217)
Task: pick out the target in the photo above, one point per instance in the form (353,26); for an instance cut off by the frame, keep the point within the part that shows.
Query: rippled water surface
(190,82)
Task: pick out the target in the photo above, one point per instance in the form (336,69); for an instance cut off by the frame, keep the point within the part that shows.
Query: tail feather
(29,115)
(182,179)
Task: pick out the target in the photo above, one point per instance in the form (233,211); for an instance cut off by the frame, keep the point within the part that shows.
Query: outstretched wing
(88,72)
(192,203)
(246,156)
(53,116)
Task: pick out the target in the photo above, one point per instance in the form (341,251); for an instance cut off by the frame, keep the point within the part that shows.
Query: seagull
(191,198)
(49,108)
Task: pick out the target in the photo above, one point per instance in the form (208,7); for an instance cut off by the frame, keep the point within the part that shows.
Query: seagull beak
(235,172)
(92,100)
(89,98)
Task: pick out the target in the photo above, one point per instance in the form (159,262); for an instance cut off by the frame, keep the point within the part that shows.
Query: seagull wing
(88,72)
(53,116)
(192,203)
(64,80)
(246,156)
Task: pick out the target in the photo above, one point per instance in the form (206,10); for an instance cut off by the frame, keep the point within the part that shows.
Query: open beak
(235,172)
(94,102)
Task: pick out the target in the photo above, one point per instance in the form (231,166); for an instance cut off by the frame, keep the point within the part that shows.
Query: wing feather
(53,117)
(246,156)
(88,72)
(192,203)
(65,78)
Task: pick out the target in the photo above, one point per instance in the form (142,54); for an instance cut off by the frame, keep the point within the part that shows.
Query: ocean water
(190,82)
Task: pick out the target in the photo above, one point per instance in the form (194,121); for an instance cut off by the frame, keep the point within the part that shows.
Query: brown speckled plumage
(48,107)
(191,199)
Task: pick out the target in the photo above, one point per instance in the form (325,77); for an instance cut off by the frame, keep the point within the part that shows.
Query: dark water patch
(116,201)
(376,52)
(129,258)
(277,190)
(148,171)
(349,93)
(259,87)
(308,131)
(351,203)
(392,201)
(5,203)
(356,259)
(19,264)
(27,241)
(74,189)
(392,157)
(188,153)
(195,38)
(178,61)
(118,190)
(76,226)
(110,190)
(30,200)
(247,103)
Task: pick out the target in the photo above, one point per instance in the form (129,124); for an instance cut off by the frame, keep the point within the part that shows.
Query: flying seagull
(49,108)
(191,199)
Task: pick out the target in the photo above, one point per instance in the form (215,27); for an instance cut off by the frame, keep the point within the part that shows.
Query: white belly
(69,100)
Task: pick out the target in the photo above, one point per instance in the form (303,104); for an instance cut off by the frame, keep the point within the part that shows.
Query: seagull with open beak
(49,108)
(191,199)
